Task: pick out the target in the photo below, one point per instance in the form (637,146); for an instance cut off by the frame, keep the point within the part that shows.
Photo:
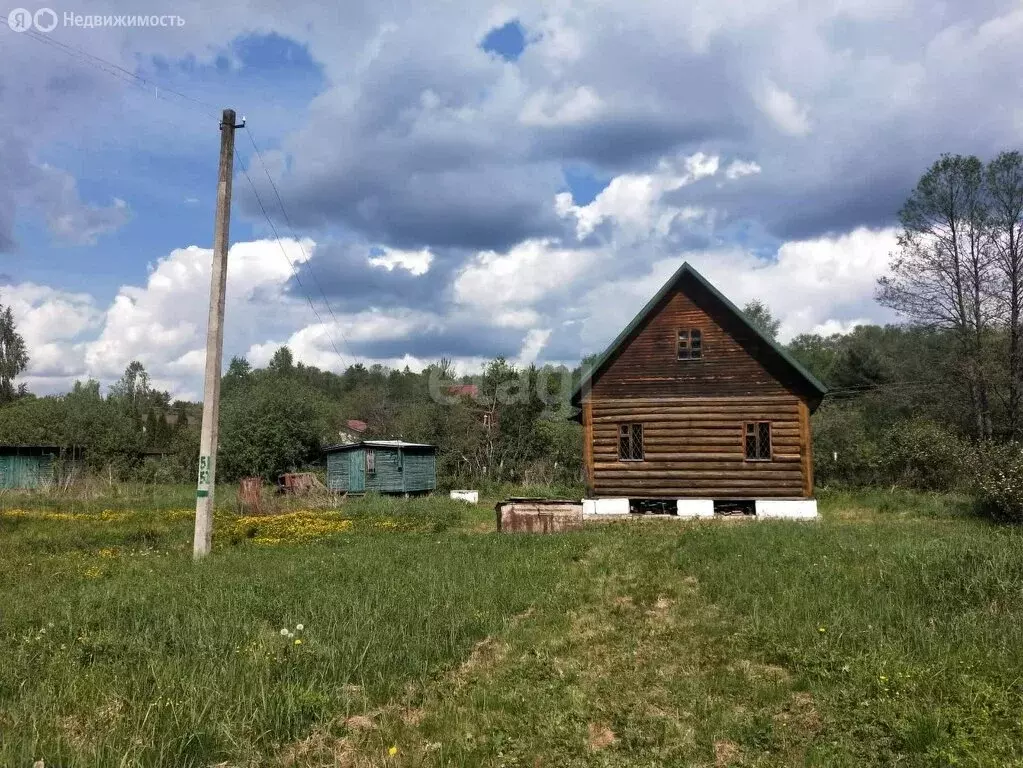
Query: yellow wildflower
(392,751)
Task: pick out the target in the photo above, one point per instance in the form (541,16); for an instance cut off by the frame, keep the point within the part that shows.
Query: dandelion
(298,642)
(284,632)
(822,629)
(291,635)
(392,751)
(299,627)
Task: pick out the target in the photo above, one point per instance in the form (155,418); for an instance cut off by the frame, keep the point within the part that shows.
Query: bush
(917,453)
(924,455)
(997,478)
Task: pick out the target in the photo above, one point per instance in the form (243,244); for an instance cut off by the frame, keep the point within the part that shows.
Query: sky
(466,179)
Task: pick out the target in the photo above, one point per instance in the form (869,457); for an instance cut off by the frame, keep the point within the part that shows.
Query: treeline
(505,425)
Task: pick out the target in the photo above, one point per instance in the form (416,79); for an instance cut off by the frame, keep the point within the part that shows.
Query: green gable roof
(668,287)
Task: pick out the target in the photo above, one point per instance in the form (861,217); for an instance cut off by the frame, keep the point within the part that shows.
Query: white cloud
(569,107)
(633,201)
(739,168)
(532,346)
(788,115)
(165,319)
(415,262)
(520,277)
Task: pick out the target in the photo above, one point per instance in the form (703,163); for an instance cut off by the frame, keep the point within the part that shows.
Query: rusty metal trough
(519,515)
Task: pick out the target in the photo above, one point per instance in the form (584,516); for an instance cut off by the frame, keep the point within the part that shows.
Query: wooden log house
(693,401)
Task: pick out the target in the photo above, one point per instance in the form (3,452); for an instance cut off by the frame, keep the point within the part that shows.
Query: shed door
(356,472)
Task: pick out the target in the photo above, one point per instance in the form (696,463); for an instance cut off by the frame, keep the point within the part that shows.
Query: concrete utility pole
(214,344)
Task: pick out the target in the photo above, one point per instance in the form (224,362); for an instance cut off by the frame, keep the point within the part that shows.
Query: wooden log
(682,492)
(683,477)
(767,467)
(702,417)
(602,402)
(746,411)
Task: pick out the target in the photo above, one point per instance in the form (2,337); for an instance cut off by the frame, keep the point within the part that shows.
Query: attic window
(690,344)
(757,435)
(630,442)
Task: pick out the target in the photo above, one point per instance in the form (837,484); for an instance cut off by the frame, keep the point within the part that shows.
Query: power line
(132,78)
(287,220)
(116,70)
(291,263)
(863,389)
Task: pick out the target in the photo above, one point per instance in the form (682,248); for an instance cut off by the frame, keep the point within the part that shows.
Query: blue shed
(384,466)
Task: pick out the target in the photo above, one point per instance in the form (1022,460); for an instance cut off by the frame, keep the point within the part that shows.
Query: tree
(13,355)
(283,362)
(238,372)
(1005,192)
(268,429)
(760,315)
(942,274)
(132,388)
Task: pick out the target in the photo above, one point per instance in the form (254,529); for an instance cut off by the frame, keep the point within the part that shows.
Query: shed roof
(673,282)
(378,444)
(31,446)
(464,390)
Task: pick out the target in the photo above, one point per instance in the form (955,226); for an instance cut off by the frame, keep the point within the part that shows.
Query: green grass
(889,632)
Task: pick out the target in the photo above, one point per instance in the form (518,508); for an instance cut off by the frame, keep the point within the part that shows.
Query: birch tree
(942,274)
(1005,195)
(13,355)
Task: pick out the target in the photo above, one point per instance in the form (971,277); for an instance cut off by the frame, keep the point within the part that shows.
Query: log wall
(694,447)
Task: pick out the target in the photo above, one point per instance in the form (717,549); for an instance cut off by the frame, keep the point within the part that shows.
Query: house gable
(736,358)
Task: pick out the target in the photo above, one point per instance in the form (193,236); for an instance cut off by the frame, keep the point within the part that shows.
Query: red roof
(356,426)
(465,390)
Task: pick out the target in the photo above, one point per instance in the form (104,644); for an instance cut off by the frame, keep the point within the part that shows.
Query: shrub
(917,453)
(924,455)
(996,472)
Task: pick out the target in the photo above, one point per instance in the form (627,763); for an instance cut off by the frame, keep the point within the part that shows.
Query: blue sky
(471,180)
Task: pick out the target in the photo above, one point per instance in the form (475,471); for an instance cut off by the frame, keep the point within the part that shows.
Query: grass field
(394,632)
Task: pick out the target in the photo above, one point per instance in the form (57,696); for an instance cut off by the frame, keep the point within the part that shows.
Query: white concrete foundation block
(605,506)
(473,497)
(787,509)
(695,508)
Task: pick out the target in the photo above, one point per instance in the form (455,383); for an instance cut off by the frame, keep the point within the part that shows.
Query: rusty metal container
(250,493)
(539,515)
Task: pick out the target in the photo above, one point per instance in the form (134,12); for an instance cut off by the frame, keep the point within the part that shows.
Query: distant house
(384,466)
(692,401)
(353,431)
(487,412)
(27,466)
(464,390)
